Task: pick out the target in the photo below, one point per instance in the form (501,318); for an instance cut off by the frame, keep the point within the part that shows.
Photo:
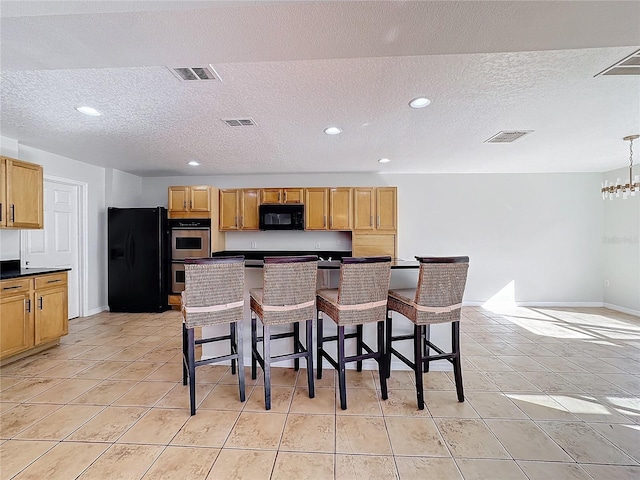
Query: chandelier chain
(631,153)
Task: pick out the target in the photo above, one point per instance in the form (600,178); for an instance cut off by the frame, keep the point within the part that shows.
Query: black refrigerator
(138,259)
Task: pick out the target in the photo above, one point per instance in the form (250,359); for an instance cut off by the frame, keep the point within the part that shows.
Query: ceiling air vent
(240,122)
(627,66)
(507,136)
(187,74)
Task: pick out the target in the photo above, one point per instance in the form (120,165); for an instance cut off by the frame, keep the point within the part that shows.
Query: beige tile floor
(550,394)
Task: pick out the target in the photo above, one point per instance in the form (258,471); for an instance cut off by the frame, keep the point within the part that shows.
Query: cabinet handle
(236,221)
(324,221)
(278,197)
(241,221)
(184,204)
(40,303)
(190,204)
(11,288)
(13,213)
(331,221)
(378,221)
(371,220)
(53,281)
(28,305)
(0,212)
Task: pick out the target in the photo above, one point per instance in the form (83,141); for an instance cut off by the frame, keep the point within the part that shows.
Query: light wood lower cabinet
(33,312)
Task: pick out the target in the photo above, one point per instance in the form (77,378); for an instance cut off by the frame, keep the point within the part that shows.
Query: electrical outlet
(317,244)
(254,244)
(606,283)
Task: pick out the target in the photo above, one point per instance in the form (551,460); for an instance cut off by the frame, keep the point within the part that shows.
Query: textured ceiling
(297,67)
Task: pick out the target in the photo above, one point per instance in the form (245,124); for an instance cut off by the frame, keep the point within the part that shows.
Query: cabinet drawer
(18,285)
(53,280)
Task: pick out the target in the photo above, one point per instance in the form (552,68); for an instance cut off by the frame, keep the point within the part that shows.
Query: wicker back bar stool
(287,296)
(437,299)
(213,295)
(360,298)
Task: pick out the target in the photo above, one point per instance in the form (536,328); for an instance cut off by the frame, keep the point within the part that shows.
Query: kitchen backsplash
(9,244)
(289,240)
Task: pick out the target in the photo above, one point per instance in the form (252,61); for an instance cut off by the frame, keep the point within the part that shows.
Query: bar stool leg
(389,325)
(319,341)
(185,371)
(266,343)
(296,343)
(417,355)
(234,345)
(382,361)
(254,346)
(342,380)
(359,346)
(427,338)
(191,360)
(457,366)
(240,352)
(312,392)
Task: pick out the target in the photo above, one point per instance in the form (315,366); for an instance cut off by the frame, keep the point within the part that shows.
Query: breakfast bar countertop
(326,260)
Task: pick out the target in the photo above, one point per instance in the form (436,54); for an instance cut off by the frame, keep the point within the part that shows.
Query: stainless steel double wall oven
(190,238)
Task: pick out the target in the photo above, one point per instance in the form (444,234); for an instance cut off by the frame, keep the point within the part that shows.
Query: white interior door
(57,244)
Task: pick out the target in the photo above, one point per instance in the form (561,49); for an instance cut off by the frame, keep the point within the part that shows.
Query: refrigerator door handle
(132,249)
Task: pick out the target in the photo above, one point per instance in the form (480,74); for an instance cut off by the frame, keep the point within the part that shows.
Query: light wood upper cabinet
(190,202)
(340,209)
(3,192)
(316,207)
(229,210)
(375,208)
(282,195)
(22,194)
(249,202)
(239,209)
(386,208)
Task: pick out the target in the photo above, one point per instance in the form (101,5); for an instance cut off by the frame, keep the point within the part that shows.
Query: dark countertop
(255,258)
(11,269)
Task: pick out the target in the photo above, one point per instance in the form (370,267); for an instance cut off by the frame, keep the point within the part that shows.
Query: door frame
(83,239)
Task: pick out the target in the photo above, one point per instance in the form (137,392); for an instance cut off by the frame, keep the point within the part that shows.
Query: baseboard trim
(542,304)
(95,311)
(618,308)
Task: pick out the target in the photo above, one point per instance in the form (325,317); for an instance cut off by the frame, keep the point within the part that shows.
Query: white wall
(94,177)
(122,189)
(539,232)
(621,249)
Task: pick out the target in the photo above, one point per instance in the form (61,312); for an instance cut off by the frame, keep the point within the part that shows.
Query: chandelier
(623,188)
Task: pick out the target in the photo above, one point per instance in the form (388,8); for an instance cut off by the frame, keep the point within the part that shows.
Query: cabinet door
(24,195)
(271,195)
(178,198)
(51,320)
(363,208)
(340,209)
(386,208)
(315,209)
(3,192)
(16,326)
(372,244)
(200,199)
(249,209)
(228,210)
(293,195)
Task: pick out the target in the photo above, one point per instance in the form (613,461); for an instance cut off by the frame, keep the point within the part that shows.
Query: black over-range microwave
(281,217)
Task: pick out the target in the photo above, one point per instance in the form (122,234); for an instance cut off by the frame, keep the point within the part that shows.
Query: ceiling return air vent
(507,136)
(188,74)
(239,122)
(627,66)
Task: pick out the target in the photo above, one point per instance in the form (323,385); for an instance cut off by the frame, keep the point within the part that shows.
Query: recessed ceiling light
(89,111)
(419,102)
(193,163)
(332,130)
(384,160)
